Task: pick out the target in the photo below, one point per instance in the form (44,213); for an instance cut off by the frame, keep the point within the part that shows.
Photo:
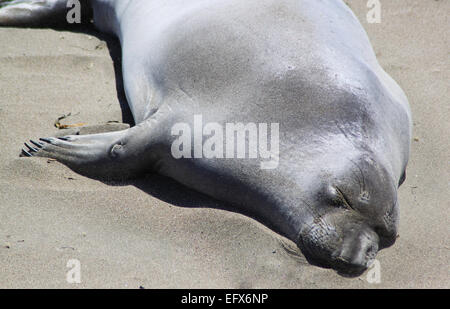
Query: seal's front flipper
(95,155)
(39,12)
(113,155)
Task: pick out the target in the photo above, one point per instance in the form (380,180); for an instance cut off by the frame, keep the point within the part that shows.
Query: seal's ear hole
(402,179)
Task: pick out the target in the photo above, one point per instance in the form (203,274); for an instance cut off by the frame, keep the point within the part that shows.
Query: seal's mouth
(356,255)
(349,247)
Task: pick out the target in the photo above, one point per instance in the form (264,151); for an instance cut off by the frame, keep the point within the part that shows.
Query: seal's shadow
(115,51)
(174,193)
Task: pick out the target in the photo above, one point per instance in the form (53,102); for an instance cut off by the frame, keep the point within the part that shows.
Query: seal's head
(356,215)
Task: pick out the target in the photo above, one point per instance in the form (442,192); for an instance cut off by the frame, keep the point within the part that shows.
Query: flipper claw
(47,140)
(37,144)
(31,148)
(26,153)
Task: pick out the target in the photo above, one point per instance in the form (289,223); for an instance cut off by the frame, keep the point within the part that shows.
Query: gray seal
(344,125)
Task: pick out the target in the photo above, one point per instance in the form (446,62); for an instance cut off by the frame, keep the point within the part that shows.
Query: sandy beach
(153,233)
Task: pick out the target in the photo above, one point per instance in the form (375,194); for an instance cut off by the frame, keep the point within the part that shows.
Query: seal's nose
(388,238)
(358,251)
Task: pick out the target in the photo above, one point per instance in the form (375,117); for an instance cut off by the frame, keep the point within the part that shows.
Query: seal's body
(306,65)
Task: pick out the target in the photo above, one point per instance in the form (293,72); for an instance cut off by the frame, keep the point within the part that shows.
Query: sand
(153,233)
